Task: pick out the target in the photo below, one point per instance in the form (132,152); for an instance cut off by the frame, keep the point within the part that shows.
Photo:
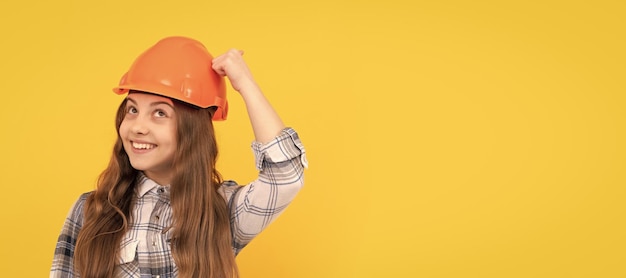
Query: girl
(160,208)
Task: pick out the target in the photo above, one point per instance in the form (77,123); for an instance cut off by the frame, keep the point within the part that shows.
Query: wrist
(248,88)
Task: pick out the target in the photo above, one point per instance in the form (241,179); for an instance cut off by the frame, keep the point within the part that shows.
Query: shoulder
(83,198)
(76,212)
(228,188)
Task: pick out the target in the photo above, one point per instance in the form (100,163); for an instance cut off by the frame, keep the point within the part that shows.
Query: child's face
(148,133)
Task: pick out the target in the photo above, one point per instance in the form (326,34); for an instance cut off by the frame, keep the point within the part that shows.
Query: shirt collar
(145,185)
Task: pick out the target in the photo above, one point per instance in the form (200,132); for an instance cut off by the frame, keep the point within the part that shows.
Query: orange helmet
(179,68)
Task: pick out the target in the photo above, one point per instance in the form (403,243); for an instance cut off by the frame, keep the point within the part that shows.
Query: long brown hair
(201,235)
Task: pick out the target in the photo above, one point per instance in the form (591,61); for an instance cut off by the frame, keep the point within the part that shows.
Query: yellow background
(446,138)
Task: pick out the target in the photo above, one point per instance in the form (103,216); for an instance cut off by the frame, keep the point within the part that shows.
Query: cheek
(123,129)
(173,139)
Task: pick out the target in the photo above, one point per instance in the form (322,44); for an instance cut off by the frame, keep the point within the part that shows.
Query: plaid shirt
(145,249)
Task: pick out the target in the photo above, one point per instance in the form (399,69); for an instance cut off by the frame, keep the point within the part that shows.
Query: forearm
(265,121)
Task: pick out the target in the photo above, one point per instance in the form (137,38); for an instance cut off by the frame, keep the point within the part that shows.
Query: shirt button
(157,217)
(161,190)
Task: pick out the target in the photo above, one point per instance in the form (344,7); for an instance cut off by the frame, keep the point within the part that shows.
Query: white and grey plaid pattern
(145,249)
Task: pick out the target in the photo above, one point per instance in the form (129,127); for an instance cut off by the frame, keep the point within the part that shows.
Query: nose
(140,126)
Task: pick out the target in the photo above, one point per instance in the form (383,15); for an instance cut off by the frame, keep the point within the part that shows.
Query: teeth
(143,146)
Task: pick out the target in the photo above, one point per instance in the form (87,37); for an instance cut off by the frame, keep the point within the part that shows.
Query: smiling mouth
(143,146)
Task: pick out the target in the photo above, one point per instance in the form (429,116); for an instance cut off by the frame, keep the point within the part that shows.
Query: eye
(131,110)
(160,113)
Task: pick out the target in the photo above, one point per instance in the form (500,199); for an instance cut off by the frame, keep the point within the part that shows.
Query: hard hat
(179,68)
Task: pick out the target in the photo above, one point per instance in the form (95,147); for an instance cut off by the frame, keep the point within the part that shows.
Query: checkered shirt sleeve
(253,207)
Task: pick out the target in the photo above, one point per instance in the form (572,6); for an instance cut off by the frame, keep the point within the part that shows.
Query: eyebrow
(151,104)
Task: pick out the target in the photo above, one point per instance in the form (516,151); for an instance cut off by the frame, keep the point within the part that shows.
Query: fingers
(230,54)
(222,62)
(232,65)
(218,67)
